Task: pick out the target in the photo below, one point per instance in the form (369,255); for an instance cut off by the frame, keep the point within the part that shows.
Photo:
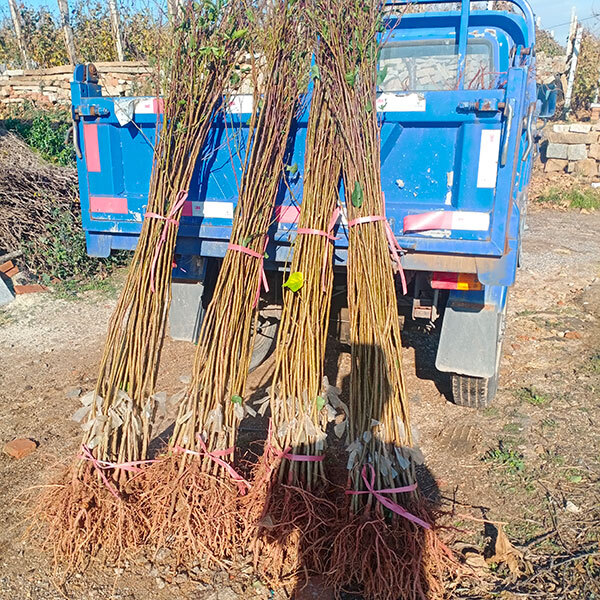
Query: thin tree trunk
(16,19)
(173,8)
(116,27)
(63,7)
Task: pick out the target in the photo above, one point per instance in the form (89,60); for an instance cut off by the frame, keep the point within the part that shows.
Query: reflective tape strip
(460,220)
(106,204)
(91,147)
(208,210)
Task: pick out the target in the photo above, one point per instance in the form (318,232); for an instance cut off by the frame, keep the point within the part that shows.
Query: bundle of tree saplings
(385,542)
(192,494)
(288,509)
(93,506)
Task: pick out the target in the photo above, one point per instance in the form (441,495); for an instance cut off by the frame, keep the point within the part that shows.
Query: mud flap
(470,334)
(187,310)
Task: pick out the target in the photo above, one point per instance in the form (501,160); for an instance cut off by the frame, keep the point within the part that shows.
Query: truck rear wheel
(474,392)
(479,392)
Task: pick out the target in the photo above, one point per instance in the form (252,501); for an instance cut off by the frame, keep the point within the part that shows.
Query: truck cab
(457,107)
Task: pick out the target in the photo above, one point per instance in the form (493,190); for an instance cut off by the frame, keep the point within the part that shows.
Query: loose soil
(532,460)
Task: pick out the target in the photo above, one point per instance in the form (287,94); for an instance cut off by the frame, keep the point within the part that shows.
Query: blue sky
(555,14)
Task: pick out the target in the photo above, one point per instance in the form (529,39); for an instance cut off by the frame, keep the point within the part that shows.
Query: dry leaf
(506,553)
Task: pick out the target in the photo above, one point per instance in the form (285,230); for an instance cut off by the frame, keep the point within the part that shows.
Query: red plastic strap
(169,220)
(103,465)
(378,495)
(215,456)
(395,247)
(263,276)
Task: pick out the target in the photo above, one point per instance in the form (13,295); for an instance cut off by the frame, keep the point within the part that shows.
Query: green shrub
(581,198)
(43,131)
(61,253)
(586,76)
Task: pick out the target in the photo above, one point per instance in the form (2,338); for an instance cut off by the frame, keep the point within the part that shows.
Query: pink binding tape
(286,453)
(378,495)
(170,219)
(103,465)
(215,456)
(294,457)
(263,276)
(326,234)
(395,247)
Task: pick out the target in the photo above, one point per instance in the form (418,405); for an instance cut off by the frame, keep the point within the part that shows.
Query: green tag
(357,195)
(236,399)
(293,169)
(321,402)
(295,281)
(315,73)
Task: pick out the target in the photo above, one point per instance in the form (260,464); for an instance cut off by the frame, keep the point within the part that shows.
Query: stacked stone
(573,147)
(51,87)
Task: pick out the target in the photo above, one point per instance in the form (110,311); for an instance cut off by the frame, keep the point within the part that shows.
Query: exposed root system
(389,559)
(288,528)
(79,518)
(191,511)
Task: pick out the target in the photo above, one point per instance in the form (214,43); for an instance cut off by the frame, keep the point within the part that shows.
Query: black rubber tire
(479,392)
(474,392)
(264,343)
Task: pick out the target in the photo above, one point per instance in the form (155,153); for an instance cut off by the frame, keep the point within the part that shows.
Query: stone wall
(572,147)
(548,67)
(51,87)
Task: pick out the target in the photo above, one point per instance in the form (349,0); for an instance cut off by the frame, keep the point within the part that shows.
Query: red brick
(20,448)
(30,289)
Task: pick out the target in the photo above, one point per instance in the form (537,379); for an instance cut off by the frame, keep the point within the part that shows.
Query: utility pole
(116,27)
(63,7)
(16,19)
(573,69)
(572,31)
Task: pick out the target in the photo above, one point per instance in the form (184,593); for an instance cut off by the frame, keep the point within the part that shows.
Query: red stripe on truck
(106,204)
(91,146)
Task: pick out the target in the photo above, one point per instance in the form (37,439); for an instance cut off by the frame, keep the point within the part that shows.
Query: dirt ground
(531,461)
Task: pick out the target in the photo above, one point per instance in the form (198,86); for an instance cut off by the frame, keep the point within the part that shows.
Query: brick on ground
(9,269)
(30,289)
(20,448)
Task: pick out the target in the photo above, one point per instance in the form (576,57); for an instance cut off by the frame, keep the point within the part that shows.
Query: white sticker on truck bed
(241,104)
(411,102)
(487,172)
(213,210)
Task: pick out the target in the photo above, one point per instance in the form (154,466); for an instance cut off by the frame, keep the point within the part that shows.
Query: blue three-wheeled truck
(458,110)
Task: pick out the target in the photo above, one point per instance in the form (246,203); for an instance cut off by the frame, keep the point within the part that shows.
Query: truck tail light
(455,281)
